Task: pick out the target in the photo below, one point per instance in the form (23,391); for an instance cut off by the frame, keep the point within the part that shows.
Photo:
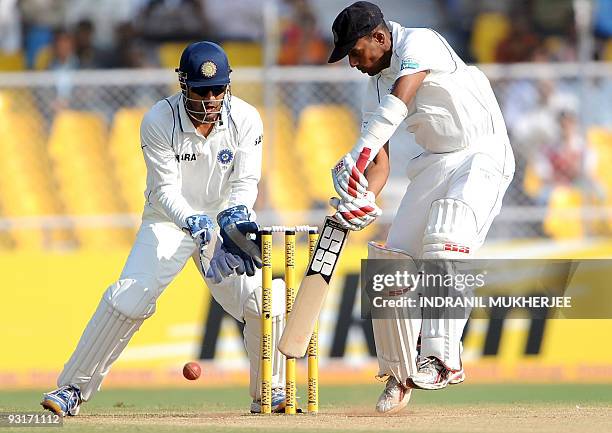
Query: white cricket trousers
(159,253)
(478,177)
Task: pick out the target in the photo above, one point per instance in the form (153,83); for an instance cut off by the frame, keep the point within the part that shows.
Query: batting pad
(450,235)
(106,335)
(396,335)
(252,337)
(451,230)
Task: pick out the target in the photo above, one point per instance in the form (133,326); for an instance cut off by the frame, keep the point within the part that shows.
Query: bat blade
(313,290)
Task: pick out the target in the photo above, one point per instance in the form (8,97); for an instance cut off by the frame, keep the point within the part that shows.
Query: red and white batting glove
(349,181)
(356,214)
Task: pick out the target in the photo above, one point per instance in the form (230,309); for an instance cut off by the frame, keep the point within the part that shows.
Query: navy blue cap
(354,22)
(204,64)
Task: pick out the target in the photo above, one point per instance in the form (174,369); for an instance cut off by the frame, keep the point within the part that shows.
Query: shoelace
(70,396)
(391,386)
(429,364)
(278,394)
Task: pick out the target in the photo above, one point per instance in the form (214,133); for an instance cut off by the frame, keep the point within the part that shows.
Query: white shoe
(456,376)
(64,401)
(394,398)
(432,374)
(278,402)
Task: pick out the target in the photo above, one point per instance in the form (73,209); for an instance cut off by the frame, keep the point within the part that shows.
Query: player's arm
(382,123)
(391,112)
(237,222)
(377,172)
(246,171)
(163,171)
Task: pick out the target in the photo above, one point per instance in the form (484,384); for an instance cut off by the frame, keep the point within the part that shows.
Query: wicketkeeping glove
(240,238)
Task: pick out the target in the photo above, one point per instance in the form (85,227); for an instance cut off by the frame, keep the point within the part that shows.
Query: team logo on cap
(225,156)
(209,69)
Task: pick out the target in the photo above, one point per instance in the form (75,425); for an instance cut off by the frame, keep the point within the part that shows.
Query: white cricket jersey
(454,105)
(188,174)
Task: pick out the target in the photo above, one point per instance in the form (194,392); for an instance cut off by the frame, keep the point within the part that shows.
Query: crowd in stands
(127,33)
(549,129)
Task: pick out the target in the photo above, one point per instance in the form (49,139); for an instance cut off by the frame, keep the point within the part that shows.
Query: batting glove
(357,214)
(349,181)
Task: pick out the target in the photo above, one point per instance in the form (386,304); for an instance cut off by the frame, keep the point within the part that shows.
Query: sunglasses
(204,90)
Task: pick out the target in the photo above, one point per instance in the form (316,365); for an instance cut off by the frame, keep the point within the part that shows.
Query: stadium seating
(532,183)
(26,186)
(169,54)
(488,31)
(12,61)
(125,153)
(86,181)
(607,51)
(43,59)
(558,224)
(324,134)
(243,53)
(281,183)
(600,141)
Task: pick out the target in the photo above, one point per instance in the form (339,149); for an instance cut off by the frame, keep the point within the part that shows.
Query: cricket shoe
(394,398)
(432,374)
(456,376)
(64,401)
(278,402)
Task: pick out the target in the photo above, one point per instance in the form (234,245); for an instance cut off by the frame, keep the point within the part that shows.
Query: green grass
(196,402)
(215,399)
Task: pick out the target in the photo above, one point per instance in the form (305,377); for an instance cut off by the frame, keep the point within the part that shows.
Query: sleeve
(247,164)
(425,50)
(163,172)
(370,103)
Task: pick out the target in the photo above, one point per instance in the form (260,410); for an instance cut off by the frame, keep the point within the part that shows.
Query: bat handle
(363,159)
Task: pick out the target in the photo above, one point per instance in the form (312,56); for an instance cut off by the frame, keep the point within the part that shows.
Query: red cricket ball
(192,370)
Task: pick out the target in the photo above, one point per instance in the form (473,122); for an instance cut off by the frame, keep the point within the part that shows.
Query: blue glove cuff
(235,214)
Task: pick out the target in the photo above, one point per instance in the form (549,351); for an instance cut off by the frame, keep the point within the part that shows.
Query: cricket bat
(315,285)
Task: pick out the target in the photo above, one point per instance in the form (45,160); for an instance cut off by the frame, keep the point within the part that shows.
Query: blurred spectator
(538,125)
(130,51)
(235,20)
(301,39)
(63,61)
(603,29)
(63,53)
(105,15)
(10,26)
(550,16)
(520,44)
(88,55)
(172,20)
(603,18)
(567,161)
(40,18)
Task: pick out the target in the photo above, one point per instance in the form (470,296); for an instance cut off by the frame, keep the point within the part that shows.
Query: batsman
(454,187)
(203,150)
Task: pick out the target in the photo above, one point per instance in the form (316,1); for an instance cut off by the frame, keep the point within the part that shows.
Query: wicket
(266,321)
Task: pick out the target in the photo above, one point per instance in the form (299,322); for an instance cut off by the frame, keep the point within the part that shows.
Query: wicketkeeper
(203,151)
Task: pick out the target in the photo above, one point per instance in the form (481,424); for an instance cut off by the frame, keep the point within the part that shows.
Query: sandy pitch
(520,418)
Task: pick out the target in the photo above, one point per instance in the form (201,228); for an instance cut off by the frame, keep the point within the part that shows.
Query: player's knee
(252,305)
(131,298)
(451,231)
